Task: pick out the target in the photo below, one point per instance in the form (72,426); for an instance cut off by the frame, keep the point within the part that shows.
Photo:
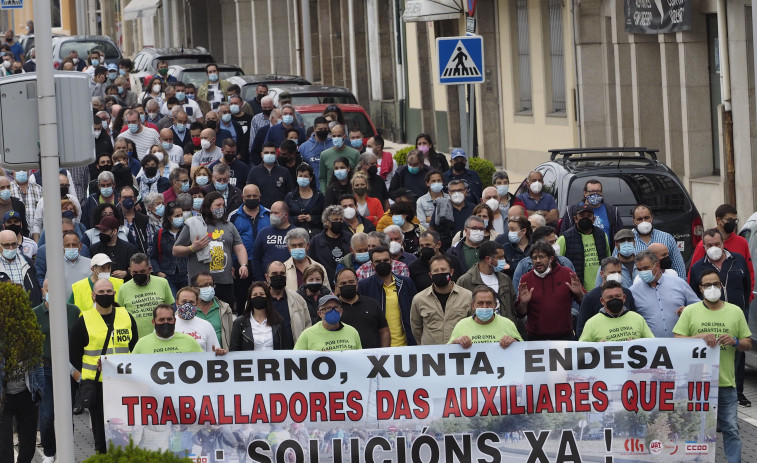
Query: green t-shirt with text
(140,301)
(177,344)
(490,332)
(591,258)
(628,326)
(317,337)
(697,319)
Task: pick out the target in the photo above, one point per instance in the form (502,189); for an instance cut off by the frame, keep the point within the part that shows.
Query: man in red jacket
(546,294)
(727,220)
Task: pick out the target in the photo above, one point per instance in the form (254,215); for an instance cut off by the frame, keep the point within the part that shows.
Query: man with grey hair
(179,181)
(106,185)
(260,120)
(450,214)
(333,243)
(142,136)
(358,254)
(659,298)
(278,133)
(231,194)
(375,239)
(298,244)
(396,245)
(97,103)
(152,108)
(466,250)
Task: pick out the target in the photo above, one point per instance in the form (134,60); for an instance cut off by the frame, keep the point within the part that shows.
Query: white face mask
(543,274)
(536,187)
(493,204)
(395,248)
(349,213)
(712,293)
(156,88)
(158,155)
(644,228)
(457,197)
(556,247)
(205,144)
(714,253)
(476,236)
(615,277)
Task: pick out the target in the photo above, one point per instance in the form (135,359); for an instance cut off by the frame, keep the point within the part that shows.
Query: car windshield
(199,76)
(183,59)
(625,190)
(353,120)
(84,47)
(329,98)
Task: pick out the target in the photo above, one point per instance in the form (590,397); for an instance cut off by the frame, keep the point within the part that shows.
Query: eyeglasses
(477,228)
(711,285)
(207,285)
(9,245)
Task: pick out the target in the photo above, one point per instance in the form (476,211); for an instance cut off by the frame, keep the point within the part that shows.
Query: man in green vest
(81,291)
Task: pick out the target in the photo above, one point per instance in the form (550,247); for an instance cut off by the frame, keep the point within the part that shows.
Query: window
(523,78)
(55,14)
(557,55)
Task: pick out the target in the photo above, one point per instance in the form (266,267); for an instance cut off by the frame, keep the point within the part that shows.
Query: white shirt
(201,330)
(142,140)
(491,281)
(262,334)
(217,95)
(38,219)
(190,106)
(176,155)
(203,158)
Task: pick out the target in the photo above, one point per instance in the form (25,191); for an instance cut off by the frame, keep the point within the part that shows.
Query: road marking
(751,421)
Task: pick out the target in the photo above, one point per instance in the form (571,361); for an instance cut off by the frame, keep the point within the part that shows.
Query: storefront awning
(433,10)
(141,9)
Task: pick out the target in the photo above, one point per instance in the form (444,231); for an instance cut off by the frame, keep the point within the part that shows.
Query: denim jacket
(161,255)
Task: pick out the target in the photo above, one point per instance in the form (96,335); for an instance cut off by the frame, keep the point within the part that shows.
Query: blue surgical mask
(437,187)
(338,142)
(106,192)
(502,190)
(220,186)
(413,169)
(235,109)
(122,72)
(297,253)
(191,96)
(5,195)
(180,96)
(181,128)
(112,75)
(213,77)
(22,176)
(513,236)
(185,186)
(362,257)
(160,209)
(303,181)
(226,118)
(95,62)
(201,180)
(47,297)
(120,90)
(646,276)
(178,222)
(166,145)
(9,254)
(398,220)
(484,313)
(207,293)
(196,203)
(269,158)
(332,317)
(340,174)
(105,124)
(133,128)
(627,249)
(501,263)
(356,143)
(71,254)
(287,119)
(142,117)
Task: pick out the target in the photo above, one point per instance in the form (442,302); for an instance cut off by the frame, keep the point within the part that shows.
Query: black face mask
(336,227)
(105,168)
(140,278)
(729,227)
(441,279)
(105,300)
(229,157)
(614,305)
(63,191)
(585,224)
(165,330)
(278,282)
(105,238)
(14,228)
(252,203)
(321,134)
(259,96)
(151,172)
(211,125)
(666,263)
(348,292)
(383,269)
(267,112)
(314,287)
(427,253)
(259,303)
(372,171)
(459,166)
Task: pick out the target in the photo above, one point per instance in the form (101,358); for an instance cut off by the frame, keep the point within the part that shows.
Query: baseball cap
(112,67)
(324,299)
(100,260)
(400,192)
(624,234)
(584,207)
(11,215)
(107,223)
(458,153)
(285,96)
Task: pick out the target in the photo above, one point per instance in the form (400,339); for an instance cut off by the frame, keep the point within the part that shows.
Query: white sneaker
(48,460)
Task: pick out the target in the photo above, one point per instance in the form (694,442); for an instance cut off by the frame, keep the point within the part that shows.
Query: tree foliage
(20,335)
(131,453)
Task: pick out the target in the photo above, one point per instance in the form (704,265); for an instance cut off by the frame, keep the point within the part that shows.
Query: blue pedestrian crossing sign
(461,60)
(11,4)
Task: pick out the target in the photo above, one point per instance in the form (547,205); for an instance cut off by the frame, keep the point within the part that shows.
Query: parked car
(27,42)
(146,62)
(354,116)
(83,45)
(249,83)
(196,74)
(629,176)
(314,94)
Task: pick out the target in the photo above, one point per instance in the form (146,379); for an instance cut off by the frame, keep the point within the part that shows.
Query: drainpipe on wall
(307,56)
(574,6)
(353,54)
(725,92)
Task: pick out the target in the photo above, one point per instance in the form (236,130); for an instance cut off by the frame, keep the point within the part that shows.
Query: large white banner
(650,400)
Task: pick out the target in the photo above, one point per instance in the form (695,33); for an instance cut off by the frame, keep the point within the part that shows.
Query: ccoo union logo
(634,446)
(693,448)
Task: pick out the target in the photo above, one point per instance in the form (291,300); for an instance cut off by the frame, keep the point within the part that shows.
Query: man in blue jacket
(394,293)
(269,242)
(460,171)
(317,143)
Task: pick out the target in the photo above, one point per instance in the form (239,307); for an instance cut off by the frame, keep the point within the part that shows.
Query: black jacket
(314,208)
(613,215)
(241,336)
(321,253)
(234,200)
(574,248)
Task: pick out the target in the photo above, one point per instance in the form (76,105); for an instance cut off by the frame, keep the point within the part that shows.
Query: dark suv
(629,176)
(146,62)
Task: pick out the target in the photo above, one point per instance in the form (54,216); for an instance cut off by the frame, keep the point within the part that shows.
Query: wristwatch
(735,341)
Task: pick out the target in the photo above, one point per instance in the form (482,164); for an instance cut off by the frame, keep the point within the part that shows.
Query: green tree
(658,429)
(131,453)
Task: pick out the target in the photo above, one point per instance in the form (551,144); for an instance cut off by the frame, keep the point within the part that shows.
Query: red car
(354,116)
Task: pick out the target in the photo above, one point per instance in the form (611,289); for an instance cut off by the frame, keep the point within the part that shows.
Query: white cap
(100,260)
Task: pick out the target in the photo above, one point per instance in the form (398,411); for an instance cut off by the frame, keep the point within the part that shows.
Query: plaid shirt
(398,268)
(258,122)
(80,177)
(30,198)
(16,268)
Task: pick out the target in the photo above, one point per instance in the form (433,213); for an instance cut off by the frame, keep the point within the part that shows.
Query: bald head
(208,134)
(115,109)
(516,211)
(276,267)
(251,191)
(659,250)
(166,135)
(8,237)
